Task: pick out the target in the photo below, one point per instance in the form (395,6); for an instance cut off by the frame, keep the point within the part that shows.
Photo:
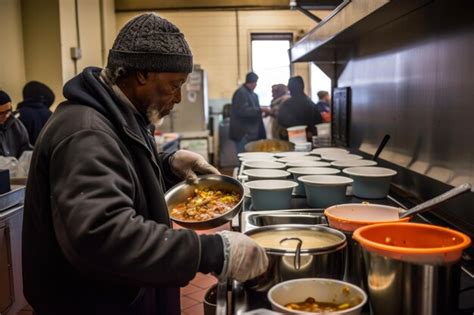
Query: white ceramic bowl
(263,164)
(257,158)
(320,151)
(370,182)
(325,190)
(271,194)
(290,154)
(340,157)
(255,154)
(352,163)
(307,164)
(263,173)
(298,158)
(322,290)
(302,171)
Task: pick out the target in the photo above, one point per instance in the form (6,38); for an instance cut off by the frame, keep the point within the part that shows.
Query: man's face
(252,85)
(274,91)
(327,98)
(159,92)
(5,112)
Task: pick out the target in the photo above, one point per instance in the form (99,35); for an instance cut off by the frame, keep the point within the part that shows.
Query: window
(319,82)
(270,61)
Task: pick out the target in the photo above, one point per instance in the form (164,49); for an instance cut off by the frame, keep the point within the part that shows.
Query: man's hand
(187,165)
(244,258)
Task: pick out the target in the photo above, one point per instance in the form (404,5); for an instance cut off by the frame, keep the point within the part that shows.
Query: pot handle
(297,262)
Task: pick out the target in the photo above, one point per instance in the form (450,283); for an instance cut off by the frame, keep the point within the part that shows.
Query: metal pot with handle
(298,251)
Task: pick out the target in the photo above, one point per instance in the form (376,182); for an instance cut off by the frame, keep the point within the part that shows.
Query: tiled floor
(192,295)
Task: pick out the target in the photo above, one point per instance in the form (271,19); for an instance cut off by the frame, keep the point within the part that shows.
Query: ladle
(429,204)
(380,148)
(221,297)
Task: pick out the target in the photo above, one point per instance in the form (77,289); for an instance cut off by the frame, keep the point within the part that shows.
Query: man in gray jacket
(96,229)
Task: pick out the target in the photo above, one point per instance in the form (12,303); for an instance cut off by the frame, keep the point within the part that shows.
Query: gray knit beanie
(150,43)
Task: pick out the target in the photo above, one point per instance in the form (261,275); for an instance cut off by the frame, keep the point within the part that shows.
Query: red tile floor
(192,296)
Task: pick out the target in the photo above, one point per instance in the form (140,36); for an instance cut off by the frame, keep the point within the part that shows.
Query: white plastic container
(297,134)
(324,129)
(303,146)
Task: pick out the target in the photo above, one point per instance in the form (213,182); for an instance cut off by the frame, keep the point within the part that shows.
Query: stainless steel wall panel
(413,78)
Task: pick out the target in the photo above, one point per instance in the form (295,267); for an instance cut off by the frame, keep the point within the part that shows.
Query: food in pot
(313,306)
(310,239)
(205,204)
(269,146)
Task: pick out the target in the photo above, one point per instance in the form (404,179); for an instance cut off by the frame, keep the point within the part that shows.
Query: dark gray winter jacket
(96,236)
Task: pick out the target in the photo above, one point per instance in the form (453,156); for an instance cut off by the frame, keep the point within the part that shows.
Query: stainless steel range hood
(347,21)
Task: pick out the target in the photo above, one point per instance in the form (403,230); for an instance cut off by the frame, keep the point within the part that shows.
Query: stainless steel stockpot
(288,264)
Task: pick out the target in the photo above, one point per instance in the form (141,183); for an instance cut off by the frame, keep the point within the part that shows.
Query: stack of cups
(297,135)
(323,139)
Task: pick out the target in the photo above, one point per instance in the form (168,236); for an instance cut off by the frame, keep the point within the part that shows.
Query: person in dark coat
(323,105)
(13,135)
(97,236)
(298,110)
(246,123)
(34,110)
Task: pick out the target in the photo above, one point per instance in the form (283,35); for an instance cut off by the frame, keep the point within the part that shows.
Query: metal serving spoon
(429,204)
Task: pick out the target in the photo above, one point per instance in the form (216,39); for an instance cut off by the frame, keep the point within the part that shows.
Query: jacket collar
(88,89)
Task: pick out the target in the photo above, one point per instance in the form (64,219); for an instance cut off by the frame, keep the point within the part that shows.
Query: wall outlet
(76,53)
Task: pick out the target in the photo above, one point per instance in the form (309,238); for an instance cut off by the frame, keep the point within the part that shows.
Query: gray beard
(154,117)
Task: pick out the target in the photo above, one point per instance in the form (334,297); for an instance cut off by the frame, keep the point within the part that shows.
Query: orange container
(351,216)
(413,242)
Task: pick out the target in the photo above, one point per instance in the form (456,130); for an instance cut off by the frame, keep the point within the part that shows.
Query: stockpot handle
(297,261)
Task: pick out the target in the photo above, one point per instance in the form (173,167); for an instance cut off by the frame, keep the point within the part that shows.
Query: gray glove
(244,258)
(186,165)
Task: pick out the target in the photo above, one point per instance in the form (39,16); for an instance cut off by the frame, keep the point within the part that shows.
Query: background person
(298,109)
(34,110)
(324,106)
(279,96)
(246,122)
(13,135)
(97,236)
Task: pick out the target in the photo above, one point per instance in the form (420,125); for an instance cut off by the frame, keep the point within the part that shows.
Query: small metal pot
(183,190)
(323,262)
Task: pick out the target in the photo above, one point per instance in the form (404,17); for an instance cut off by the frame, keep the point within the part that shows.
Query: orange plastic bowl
(351,216)
(413,242)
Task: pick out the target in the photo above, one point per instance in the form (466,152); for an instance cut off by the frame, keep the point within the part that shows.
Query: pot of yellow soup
(298,251)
